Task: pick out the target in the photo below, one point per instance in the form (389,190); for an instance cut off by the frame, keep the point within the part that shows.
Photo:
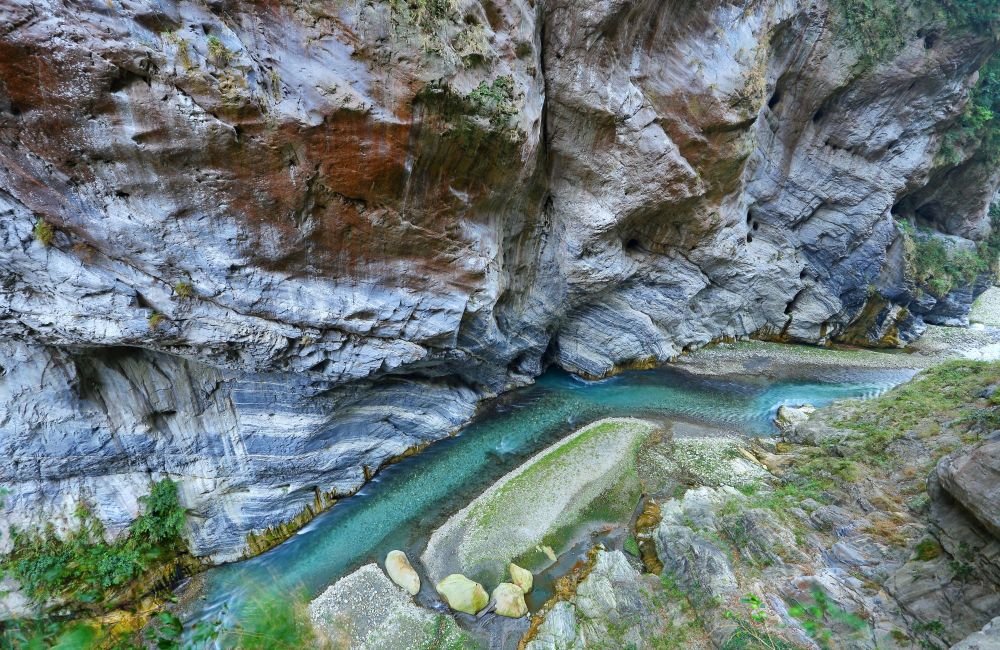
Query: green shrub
(495,100)
(220,55)
(817,616)
(927,550)
(272,622)
(85,570)
(752,629)
(937,268)
(183,289)
(930,627)
(44,232)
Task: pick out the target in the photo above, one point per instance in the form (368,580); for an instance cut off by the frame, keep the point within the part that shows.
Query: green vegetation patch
(44,232)
(183,289)
(273,622)
(83,571)
(872,27)
(927,549)
(823,620)
(495,100)
(939,268)
(422,13)
(947,392)
(878,29)
(979,125)
(753,628)
(218,53)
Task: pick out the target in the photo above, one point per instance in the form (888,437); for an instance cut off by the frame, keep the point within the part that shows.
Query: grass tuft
(44,232)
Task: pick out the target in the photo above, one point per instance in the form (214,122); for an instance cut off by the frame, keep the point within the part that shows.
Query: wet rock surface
(399,570)
(284,243)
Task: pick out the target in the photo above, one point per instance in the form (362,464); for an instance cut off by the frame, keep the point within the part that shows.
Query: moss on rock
(590,476)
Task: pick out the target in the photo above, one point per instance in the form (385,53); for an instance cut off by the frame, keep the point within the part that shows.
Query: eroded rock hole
(775,99)
(818,115)
(749,238)
(123,79)
(756,225)
(930,40)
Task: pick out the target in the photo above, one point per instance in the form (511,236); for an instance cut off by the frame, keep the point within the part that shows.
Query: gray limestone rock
(365,610)
(613,607)
(275,267)
(986,639)
(972,477)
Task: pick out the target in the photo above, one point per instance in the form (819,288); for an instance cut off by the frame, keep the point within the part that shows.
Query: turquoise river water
(406,501)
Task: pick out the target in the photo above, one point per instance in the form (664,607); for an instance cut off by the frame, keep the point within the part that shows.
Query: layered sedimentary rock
(264,248)
(970,477)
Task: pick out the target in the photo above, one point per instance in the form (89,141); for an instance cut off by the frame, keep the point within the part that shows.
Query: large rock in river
(521,577)
(462,594)
(509,600)
(398,566)
(534,505)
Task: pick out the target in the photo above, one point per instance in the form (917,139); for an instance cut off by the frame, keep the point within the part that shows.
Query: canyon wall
(264,248)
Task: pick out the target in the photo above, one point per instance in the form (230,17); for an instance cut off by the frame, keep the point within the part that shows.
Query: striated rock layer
(266,247)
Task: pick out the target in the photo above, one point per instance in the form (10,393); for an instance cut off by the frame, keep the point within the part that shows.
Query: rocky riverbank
(875,528)
(866,524)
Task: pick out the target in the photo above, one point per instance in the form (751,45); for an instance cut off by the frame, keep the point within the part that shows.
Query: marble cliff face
(264,247)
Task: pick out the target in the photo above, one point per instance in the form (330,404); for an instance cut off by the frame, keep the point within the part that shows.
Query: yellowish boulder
(400,571)
(509,600)
(462,594)
(521,577)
